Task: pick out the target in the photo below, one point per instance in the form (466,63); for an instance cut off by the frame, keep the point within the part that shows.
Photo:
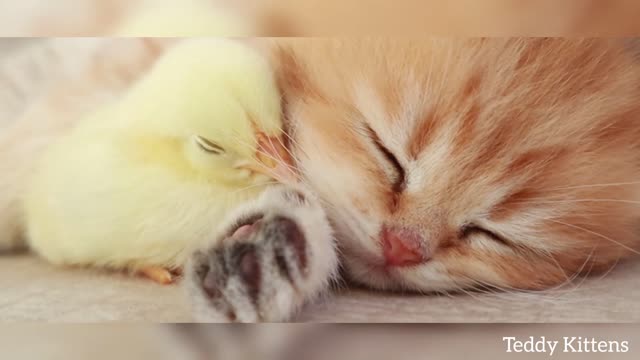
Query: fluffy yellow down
(130,186)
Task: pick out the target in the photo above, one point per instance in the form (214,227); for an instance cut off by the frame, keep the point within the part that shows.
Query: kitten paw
(276,255)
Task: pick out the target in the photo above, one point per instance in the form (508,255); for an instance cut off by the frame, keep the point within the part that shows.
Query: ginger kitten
(456,163)
(441,165)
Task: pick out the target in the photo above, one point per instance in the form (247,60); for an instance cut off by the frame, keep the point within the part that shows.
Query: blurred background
(324,17)
(296,342)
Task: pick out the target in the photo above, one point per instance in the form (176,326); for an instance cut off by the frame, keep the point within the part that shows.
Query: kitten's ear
(291,75)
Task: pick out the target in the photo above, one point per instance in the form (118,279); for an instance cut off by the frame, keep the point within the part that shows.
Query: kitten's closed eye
(471,229)
(399,178)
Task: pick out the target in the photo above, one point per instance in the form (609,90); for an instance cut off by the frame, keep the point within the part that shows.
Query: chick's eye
(471,229)
(209,146)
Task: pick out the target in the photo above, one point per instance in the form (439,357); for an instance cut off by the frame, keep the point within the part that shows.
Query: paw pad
(240,274)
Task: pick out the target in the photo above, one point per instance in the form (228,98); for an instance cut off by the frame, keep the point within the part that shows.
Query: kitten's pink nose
(403,247)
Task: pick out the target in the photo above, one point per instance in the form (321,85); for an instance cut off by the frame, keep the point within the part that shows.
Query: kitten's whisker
(578,286)
(578,273)
(555,289)
(244,143)
(253,186)
(590,232)
(296,143)
(548,254)
(543,201)
(446,293)
(597,185)
(283,161)
(278,160)
(478,291)
(606,273)
(508,293)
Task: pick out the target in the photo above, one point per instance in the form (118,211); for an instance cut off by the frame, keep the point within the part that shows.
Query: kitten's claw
(264,270)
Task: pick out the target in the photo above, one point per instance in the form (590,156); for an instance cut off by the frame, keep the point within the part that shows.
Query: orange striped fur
(535,140)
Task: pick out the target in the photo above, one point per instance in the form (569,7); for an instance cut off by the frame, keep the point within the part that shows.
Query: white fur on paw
(284,258)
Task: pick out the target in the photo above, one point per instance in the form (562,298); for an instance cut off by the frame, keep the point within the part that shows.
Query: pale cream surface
(32,290)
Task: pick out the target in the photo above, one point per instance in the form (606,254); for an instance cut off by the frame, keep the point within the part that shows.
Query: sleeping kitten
(427,165)
(443,164)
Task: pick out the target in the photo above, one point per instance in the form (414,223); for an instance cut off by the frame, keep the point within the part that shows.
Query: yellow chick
(144,181)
